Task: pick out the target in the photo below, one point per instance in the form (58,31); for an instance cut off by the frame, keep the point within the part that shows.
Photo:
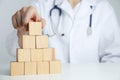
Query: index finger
(31,14)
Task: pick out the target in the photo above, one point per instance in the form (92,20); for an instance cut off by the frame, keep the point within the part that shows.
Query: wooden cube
(35,28)
(17,68)
(36,54)
(41,41)
(30,68)
(48,54)
(55,67)
(43,68)
(28,41)
(23,55)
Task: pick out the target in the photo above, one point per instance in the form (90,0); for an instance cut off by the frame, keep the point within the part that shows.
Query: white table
(71,72)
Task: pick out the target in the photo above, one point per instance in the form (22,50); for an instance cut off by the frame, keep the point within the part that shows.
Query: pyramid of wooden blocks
(35,57)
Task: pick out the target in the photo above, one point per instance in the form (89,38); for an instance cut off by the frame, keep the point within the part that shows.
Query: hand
(21,19)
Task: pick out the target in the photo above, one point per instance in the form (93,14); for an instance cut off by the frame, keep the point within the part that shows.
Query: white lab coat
(76,46)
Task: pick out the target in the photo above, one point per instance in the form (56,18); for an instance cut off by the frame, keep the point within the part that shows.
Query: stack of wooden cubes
(35,57)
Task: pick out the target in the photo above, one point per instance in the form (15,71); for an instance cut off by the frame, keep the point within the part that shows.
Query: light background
(9,7)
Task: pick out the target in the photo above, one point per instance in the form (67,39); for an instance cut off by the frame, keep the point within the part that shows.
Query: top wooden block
(35,28)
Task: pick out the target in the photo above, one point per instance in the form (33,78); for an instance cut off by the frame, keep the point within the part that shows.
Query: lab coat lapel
(65,6)
(83,11)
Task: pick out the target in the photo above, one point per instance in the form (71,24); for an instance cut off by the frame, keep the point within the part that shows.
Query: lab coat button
(62,34)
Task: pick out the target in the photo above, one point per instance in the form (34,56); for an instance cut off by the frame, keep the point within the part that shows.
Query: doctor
(81,31)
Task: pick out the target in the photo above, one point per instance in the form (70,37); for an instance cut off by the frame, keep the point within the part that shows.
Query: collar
(65,6)
(84,8)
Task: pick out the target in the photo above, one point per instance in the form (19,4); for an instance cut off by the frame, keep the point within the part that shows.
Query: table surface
(71,72)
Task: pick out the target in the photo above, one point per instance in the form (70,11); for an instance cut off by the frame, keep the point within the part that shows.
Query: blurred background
(8,8)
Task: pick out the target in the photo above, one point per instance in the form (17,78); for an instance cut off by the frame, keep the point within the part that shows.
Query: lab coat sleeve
(12,39)
(37,5)
(110,39)
(12,43)
(42,7)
